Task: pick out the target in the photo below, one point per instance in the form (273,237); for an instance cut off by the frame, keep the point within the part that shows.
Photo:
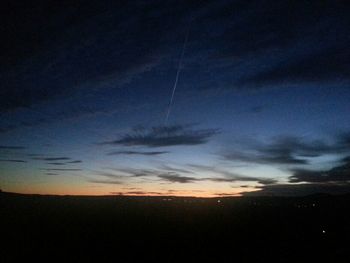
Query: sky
(184,98)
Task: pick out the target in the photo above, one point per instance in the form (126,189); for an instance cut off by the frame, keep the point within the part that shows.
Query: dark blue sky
(261,104)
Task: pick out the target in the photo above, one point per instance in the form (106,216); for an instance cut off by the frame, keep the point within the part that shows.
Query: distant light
(323,231)
(313,205)
(219,201)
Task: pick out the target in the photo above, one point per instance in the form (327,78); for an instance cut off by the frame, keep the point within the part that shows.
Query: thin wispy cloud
(13,160)
(162,136)
(61,169)
(95,181)
(75,161)
(56,163)
(228,176)
(52,158)
(137,153)
(174,178)
(51,173)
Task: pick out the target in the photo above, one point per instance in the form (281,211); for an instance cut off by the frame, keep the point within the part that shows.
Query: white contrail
(176,78)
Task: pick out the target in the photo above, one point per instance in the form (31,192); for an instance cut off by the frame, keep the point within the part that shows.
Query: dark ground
(123,229)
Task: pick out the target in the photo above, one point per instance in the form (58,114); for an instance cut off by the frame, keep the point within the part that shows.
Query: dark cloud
(137,172)
(13,161)
(51,174)
(137,193)
(275,158)
(75,161)
(56,163)
(174,175)
(10,147)
(301,189)
(174,178)
(52,158)
(227,176)
(264,181)
(65,163)
(110,175)
(225,194)
(162,136)
(290,150)
(304,182)
(95,181)
(137,153)
(338,174)
(61,169)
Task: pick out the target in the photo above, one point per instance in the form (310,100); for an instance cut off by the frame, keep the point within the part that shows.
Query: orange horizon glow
(144,194)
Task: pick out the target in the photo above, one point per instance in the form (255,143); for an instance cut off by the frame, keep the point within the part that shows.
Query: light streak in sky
(176,78)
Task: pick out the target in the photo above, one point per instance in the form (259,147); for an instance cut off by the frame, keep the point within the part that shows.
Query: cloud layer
(162,136)
(289,150)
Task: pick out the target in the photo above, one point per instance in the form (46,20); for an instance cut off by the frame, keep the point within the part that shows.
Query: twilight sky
(261,104)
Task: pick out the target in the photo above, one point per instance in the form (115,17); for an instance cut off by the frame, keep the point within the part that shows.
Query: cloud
(264,181)
(174,178)
(132,172)
(13,161)
(162,136)
(275,158)
(301,189)
(225,194)
(61,169)
(57,163)
(288,150)
(65,163)
(173,175)
(51,174)
(338,174)
(55,160)
(95,181)
(75,161)
(304,182)
(9,147)
(137,153)
(110,175)
(137,193)
(227,176)
(52,158)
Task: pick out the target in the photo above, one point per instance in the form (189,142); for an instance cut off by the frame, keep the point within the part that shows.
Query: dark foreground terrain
(169,229)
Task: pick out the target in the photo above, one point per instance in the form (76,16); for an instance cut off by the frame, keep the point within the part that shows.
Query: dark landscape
(174,229)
